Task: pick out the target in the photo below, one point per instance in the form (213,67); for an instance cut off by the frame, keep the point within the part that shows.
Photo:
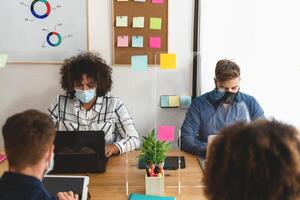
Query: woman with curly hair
(86,80)
(258,161)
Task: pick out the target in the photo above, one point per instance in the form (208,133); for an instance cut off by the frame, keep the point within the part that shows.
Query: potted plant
(153,153)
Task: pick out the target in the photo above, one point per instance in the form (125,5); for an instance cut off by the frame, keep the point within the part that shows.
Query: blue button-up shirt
(205,118)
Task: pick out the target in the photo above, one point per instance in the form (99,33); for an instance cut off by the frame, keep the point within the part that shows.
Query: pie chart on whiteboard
(40,9)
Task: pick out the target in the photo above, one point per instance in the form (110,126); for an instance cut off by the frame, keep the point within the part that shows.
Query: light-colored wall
(35,85)
(263,38)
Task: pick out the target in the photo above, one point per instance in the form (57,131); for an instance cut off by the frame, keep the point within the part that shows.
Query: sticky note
(173,101)
(122,21)
(155,23)
(3,59)
(158,1)
(185,101)
(164,101)
(155,42)
(122,41)
(167,61)
(137,41)
(138,22)
(139,63)
(140,0)
(166,133)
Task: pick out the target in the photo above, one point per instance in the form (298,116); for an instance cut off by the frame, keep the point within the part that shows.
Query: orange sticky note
(167,61)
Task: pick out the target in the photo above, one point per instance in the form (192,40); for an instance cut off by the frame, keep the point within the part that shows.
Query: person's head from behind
(227,76)
(28,140)
(258,161)
(86,76)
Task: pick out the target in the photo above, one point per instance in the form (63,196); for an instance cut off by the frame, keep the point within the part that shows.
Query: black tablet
(77,184)
(171,163)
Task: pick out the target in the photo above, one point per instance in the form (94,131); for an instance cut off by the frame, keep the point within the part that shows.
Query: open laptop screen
(79,152)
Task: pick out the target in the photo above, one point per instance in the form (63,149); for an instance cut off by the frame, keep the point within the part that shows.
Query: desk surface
(111,185)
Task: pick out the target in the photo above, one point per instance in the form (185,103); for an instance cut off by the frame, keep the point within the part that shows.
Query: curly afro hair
(257,161)
(90,64)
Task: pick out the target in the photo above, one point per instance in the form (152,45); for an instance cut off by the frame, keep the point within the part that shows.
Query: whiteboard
(43,30)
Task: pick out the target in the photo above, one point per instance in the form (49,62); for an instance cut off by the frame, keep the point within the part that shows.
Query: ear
(49,152)
(215,80)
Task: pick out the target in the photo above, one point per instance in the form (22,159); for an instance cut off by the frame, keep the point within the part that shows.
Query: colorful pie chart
(50,37)
(34,13)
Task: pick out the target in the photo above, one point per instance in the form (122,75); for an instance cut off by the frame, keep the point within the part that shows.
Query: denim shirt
(205,118)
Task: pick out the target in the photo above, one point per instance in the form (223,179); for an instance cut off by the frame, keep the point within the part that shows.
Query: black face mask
(228,98)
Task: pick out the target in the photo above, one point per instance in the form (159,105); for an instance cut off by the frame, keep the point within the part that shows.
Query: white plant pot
(155,185)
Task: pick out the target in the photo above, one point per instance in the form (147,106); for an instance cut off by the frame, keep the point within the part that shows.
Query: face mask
(85,96)
(50,165)
(224,97)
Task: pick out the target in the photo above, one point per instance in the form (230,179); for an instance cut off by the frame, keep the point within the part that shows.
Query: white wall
(35,86)
(263,37)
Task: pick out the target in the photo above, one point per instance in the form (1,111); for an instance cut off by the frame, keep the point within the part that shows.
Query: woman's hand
(111,149)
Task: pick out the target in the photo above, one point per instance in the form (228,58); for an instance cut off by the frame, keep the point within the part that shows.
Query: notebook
(134,196)
(2,157)
(77,184)
(79,152)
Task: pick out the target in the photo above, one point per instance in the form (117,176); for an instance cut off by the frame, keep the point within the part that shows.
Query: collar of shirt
(96,107)
(21,179)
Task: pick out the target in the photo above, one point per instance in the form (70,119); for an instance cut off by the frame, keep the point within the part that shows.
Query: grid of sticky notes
(137,41)
(139,34)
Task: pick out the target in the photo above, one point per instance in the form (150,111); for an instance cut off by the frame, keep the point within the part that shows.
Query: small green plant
(152,150)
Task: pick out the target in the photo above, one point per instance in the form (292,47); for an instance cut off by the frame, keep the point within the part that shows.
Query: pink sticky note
(122,41)
(166,133)
(158,1)
(155,42)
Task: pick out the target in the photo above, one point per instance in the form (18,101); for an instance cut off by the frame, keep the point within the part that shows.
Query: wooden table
(111,185)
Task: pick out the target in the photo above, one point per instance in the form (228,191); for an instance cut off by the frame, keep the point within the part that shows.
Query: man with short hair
(28,141)
(219,108)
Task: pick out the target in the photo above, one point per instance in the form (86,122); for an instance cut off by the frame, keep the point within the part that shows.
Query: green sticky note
(3,59)
(121,21)
(155,23)
(138,22)
(139,63)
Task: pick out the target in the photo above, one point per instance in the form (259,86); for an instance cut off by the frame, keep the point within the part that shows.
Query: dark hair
(27,137)
(258,161)
(86,63)
(226,70)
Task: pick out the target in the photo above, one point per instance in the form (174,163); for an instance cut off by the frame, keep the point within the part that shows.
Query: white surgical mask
(50,165)
(85,96)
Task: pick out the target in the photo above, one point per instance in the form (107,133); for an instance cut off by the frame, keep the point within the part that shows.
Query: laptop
(77,184)
(79,152)
(202,160)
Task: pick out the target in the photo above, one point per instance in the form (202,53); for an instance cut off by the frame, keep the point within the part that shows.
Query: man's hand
(111,149)
(67,196)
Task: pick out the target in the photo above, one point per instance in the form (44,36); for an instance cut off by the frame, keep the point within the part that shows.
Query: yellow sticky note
(3,59)
(174,101)
(167,61)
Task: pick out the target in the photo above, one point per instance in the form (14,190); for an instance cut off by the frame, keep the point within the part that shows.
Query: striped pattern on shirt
(108,114)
